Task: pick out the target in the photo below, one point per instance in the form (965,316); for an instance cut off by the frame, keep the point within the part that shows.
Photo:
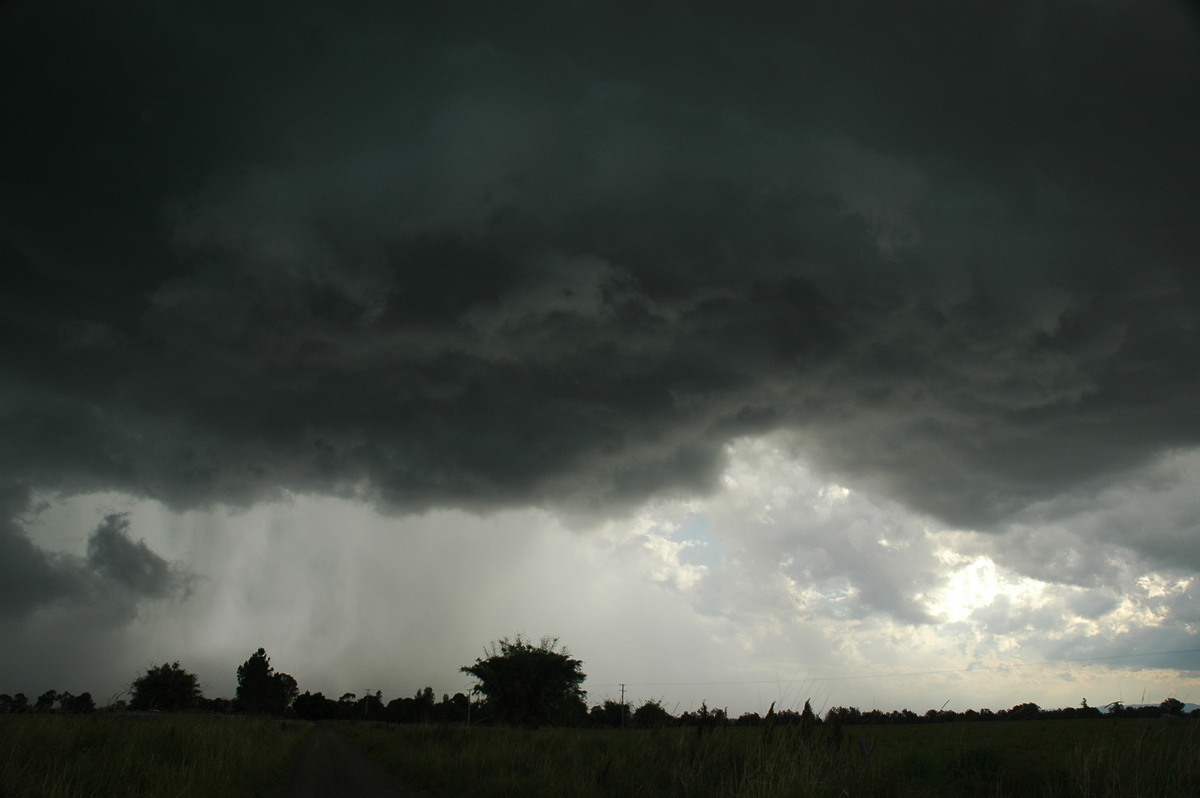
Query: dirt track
(330,767)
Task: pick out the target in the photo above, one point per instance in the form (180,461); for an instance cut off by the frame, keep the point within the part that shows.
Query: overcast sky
(759,351)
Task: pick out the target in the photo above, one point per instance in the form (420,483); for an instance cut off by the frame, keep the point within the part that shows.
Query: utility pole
(622,706)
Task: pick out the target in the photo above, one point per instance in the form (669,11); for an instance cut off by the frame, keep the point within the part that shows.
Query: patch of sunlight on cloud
(761,478)
(833,493)
(669,566)
(1159,586)
(974,582)
(654,533)
(1132,614)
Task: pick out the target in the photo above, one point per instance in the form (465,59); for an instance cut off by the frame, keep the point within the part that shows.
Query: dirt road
(330,767)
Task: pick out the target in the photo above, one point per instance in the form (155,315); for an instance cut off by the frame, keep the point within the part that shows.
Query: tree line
(519,682)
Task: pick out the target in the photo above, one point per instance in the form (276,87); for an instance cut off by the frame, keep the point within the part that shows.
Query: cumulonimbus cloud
(563,277)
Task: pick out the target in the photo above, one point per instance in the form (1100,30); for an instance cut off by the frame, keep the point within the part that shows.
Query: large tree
(167,687)
(261,690)
(526,683)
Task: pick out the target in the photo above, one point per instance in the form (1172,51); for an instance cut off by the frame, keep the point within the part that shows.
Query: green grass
(197,755)
(54,756)
(1032,758)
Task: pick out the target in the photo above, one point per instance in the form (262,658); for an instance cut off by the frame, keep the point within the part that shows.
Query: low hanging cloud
(112,555)
(117,572)
(29,576)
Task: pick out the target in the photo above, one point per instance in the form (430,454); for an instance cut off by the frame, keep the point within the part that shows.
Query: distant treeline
(458,708)
(49,701)
(513,669)
(852,716)
(652,714)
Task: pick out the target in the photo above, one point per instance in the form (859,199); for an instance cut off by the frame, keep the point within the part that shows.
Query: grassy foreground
(1023,758)
(59,756)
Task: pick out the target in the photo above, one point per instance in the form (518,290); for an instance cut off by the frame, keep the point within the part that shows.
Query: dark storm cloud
(562,253)
(30,576)
(115,575)
(112,554)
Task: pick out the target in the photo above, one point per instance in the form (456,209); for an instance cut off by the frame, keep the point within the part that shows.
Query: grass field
(199,755)
(1017,758)
(63,756)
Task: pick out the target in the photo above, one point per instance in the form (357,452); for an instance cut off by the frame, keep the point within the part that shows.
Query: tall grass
(1056,758)
(52,756)
(492,762)
(1160,758)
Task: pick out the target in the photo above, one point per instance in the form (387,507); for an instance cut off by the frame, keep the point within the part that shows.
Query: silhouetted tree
(1172,707)
(833,735)
(403,710)
(369,707)
(13,704)
(704,719)
(782,717)
(651,715)
(573,712)
(167,688)
(526,683)
(425,704)
(314,706)
(1026,711)
(610,714)
(848,716)
(452,709)
(45,702)
(261,690)
(217,706)
(81,704)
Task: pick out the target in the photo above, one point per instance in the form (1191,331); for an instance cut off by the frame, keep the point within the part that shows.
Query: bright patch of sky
(781,586)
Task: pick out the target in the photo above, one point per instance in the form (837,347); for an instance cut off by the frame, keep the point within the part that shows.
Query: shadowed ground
(329,766)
